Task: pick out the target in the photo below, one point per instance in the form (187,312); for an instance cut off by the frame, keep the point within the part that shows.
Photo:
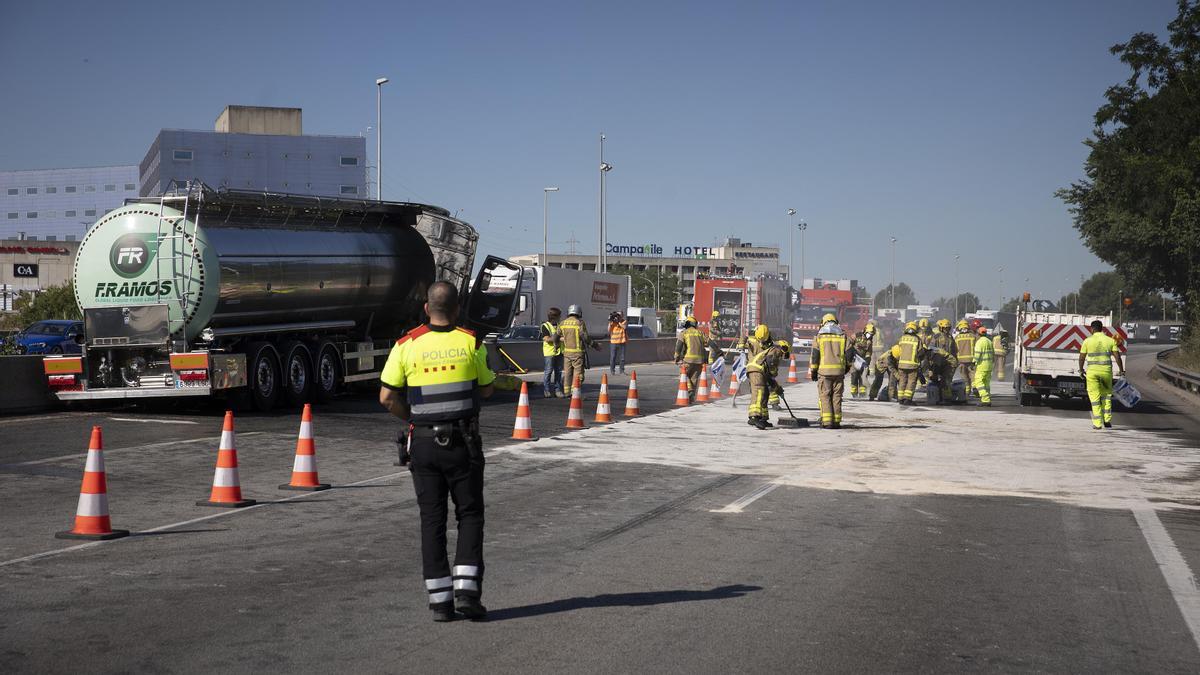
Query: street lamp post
(603,220)
(802,226)
(893,286)
(379,82)
(792,248)
(1000,273)
(956,292)
(546,223)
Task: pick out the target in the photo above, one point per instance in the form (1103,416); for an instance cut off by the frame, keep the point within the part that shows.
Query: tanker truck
(262,298)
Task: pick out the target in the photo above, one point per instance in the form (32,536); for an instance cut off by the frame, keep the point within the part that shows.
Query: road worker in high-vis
(1096,355)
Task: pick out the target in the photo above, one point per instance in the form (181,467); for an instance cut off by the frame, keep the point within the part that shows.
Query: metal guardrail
(1184,379)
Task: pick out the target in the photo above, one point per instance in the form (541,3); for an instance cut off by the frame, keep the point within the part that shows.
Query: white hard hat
(573,310)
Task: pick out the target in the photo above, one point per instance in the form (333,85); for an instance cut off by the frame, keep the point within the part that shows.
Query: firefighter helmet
(762,333)
(923,323)
(896,351)
(573,310)
(828,317)
(943,324)
(962,324)
(870,328)
(911,326)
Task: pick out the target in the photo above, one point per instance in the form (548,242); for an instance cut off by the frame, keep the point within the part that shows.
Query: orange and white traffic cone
(631,400)
(304,469)
(792,377)
(681,396)
(575,414)
(702,388)
(714,390)
(603,409)
(91,515)
(226,487)
(734,384)
(523,427)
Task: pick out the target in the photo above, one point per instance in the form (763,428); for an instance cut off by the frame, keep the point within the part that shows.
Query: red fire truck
(741,305)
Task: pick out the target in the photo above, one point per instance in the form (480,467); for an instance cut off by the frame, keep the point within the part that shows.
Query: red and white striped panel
(1066,337)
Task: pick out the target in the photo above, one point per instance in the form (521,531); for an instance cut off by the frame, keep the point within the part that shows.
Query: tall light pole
(802,226)
(379,82)
(792,247)
(956,293)
(893,287)
(546,224)
(1000,272)
(603,221)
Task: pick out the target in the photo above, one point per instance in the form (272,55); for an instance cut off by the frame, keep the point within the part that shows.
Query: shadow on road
(621,600)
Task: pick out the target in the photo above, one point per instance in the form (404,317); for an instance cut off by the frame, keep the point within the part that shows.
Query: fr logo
(130,255)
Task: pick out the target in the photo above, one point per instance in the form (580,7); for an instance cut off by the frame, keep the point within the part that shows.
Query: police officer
(434,379)
(691,349)
(827,366)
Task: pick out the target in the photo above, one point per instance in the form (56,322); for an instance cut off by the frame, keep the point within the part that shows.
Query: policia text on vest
(434,379)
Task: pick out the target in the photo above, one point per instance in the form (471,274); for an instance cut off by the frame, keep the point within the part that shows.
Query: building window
(70,237)
(31,214)
(70,188)
(31,191)
(13,191)
(51,190)
(349,189)
(70,214)
(110,188)
(51,237)
(90,212)
(13,215)
(89,188)
(130,186)
(32,237)
(349,161)
(182,155)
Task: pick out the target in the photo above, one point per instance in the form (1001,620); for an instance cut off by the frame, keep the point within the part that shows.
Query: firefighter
(943,359)
(864,345)
(575,340)
(964,341)
(887,363)
(1001,345)
(691,349)
(827,367)
(1095,365)
(762,371)
(908,363)
(924,332)
(984,360)
(433,380)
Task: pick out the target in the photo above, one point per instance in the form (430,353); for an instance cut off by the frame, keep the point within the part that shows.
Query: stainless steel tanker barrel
(237,261)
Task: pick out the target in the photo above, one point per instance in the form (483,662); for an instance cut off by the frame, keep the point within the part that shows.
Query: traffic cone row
(792,377)
(92,520)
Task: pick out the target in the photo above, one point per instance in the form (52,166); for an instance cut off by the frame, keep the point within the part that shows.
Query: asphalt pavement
(926,539)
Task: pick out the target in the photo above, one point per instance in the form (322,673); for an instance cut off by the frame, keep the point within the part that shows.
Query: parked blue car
(50,337)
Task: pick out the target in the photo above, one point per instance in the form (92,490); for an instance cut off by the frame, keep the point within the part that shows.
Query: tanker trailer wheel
(328,372)
(264,375)
(297,374)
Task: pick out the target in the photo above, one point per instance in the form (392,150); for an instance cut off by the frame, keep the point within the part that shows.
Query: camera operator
(617,337)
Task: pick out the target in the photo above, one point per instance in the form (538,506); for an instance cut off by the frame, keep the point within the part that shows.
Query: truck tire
(327,372)
(264,379)
(297,372)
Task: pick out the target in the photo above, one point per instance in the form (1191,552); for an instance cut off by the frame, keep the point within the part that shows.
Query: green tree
(904,296)
(967,302)
(1139,206)
(1103,293)
(55,302)
(647,282)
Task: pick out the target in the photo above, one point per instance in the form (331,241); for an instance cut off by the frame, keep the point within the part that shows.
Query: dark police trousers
(453,470)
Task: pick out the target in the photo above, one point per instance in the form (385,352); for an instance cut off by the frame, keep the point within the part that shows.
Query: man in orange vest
(617,337)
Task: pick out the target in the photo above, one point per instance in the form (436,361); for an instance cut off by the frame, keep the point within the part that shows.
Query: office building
(60,204)
(33,265)
(731,257)
(255,148)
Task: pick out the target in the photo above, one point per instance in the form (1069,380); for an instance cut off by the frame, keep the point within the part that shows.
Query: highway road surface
(933,539)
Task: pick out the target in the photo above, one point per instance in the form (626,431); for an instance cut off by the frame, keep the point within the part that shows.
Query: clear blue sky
(947,124)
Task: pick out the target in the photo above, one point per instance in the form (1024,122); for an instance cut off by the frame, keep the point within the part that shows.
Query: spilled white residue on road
(904,451)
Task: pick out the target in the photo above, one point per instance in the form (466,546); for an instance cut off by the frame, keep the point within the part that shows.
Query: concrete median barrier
(24,389)
(529,354)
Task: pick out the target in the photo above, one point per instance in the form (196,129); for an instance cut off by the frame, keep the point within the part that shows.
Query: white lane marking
(148,446)
(746,500)
(1173,567)
(134,419)
(161,528)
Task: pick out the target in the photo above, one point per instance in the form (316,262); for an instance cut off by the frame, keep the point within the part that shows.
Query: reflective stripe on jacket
(691,346)
(984,354)
(1098,349)
(829,354)
(555,348)
(574,335)
(439,370)
(966,347)
(616,332)
(910,351)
